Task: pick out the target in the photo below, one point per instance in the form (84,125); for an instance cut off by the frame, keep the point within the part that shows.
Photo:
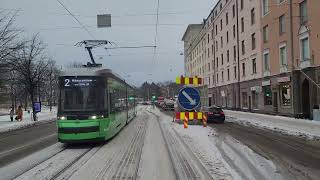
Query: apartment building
(261,55)
(290,54)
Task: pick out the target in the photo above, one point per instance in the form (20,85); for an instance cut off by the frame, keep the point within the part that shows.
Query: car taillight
(221,113)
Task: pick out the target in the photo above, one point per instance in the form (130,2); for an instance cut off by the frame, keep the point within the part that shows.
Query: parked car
(214,114)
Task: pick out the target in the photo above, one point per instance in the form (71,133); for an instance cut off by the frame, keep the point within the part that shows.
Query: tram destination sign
(78,82)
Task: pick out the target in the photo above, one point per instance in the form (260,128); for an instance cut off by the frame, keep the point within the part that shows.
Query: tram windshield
(82,94)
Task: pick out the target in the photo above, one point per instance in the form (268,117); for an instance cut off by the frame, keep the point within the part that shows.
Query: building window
(212,49)
(254,66)
(228,74)
(221,59)
(216,29)
(253,41)
(228,54)
(242,24)
(303,12)
(282,24)
(285,95)
(244,99)
(212,33)
(266,61)
(265,34)
(243,69)
(217,46)
(265,7)
(208,38)
(234,31)
(220,24)
(227,37)
(221,41)
(227,18)
(217,78)
(208,53)
(208,66)
(234,53)
(217,61)
(305,50)
(253,17)
(235,72)
(222,76)
(241,4)
(283,55)
(233,11)
(267,95)
(220,6)
(243,47)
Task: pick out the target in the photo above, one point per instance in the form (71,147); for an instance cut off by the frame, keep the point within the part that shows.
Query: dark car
(214,114)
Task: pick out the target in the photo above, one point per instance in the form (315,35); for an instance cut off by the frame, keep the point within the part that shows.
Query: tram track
(186,165)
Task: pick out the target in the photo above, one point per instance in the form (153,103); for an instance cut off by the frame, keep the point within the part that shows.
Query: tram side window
(117,101)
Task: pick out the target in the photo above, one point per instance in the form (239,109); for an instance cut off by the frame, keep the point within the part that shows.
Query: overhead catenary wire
(71,14)
(130,47)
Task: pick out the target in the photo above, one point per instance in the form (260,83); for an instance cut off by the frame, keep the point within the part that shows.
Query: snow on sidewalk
(285,125)
(45,116)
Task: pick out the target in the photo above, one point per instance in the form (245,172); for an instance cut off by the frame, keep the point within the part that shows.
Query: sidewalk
(45,116)
(287,125)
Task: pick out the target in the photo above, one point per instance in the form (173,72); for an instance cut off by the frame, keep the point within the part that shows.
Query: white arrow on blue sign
(189,98)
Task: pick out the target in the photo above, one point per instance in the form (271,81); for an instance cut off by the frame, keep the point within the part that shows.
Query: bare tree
(51,83)
(30,65)
(9,36)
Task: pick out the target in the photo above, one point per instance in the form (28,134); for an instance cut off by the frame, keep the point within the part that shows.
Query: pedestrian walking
(11,114)
(19,114)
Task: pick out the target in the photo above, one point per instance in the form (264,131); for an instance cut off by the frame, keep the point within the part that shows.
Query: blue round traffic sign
(189,98)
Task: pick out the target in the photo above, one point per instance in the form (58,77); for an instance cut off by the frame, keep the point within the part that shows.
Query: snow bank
(43,117)
(285,125)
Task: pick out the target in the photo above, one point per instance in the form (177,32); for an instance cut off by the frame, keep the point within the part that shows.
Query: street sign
(37,107)
(189,98)
(104,20)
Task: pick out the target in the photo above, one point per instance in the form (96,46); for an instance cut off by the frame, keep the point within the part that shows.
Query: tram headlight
(96,117)
(62,118)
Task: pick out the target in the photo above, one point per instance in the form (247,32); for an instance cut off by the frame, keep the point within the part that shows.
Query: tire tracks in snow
(185,163)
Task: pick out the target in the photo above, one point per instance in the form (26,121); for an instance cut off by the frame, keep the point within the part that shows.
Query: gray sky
(132,25)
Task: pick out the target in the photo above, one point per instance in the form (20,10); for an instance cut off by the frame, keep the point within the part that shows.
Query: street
(152,147)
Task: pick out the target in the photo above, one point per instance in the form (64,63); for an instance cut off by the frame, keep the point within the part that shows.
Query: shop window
(285,95)
(267,95)
(244,99)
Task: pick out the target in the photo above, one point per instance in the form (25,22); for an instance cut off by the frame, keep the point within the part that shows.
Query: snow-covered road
(150,147)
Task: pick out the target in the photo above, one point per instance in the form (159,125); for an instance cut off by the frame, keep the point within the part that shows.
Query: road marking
(192,101)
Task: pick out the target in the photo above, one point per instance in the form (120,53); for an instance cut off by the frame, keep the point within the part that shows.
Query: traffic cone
(185,122)
(204,121)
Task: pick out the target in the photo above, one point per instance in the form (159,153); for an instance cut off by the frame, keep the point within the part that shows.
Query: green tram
(94,105)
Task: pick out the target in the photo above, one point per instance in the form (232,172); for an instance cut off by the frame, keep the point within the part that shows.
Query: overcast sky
(132,25)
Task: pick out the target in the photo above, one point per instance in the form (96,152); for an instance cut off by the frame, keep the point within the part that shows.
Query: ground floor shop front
(289,94)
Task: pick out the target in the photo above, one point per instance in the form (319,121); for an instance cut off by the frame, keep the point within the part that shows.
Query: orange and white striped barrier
(204,121)
(185,122)
(189,80)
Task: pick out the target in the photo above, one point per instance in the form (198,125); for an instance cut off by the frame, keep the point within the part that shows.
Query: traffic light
(131,98)
(153,98)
